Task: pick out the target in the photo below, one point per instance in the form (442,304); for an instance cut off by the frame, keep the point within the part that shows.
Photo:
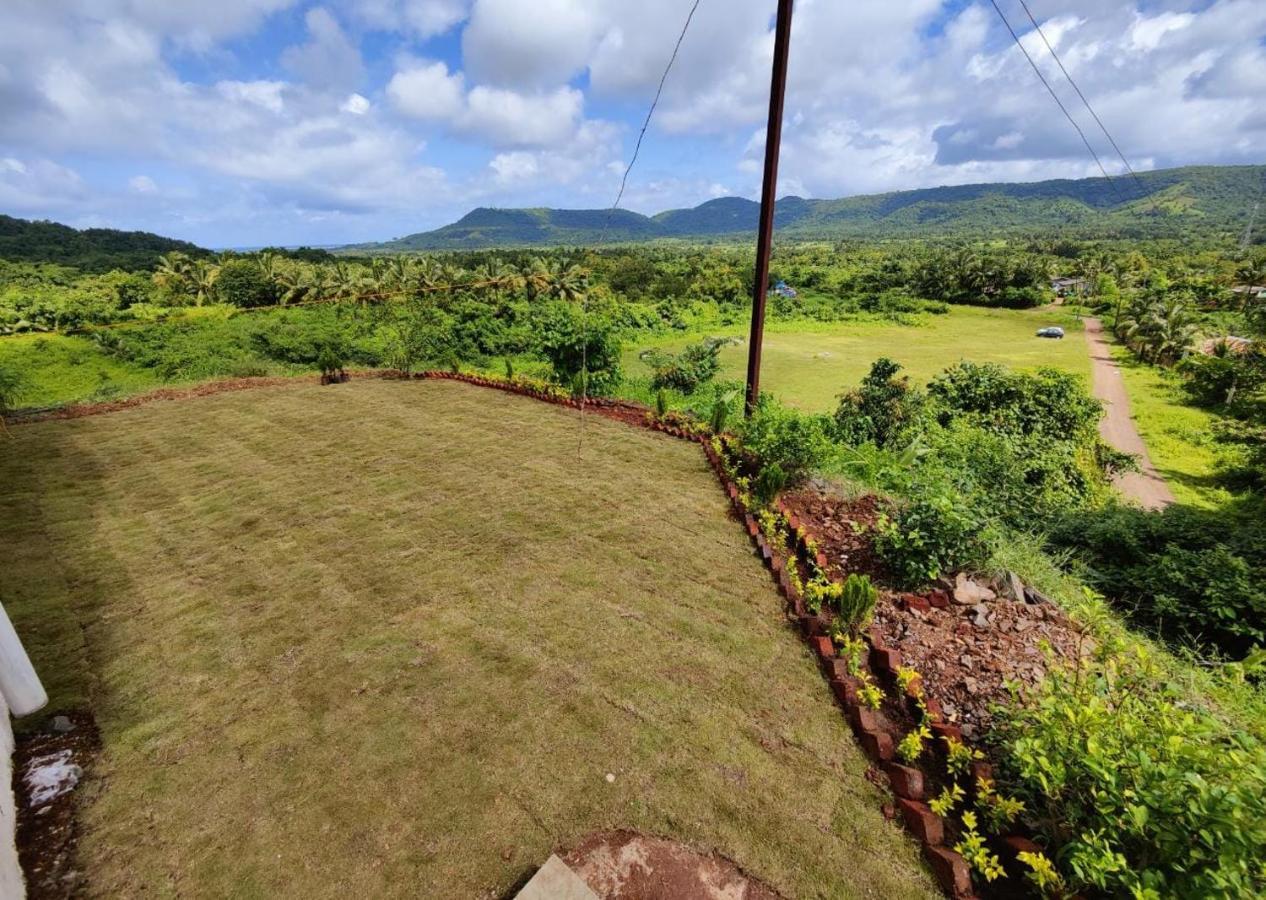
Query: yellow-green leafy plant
(998,809)
(972,848)
(852,651)
(959,757)
(944,802)
(868,693)
(1041,874)
(910,747)
(909,681)
(820,592)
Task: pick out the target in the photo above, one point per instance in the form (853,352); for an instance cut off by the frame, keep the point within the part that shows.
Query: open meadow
(807,365)
(398,639)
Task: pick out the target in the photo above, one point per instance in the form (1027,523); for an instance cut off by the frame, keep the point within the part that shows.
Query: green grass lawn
(58,369)
(388,639)
(808,365)
(1179,437)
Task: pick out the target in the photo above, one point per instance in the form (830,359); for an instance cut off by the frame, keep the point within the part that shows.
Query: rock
(969,593)
(62,724)
(966,661)
(1012,587)
(969,731)
(1023,625)
(1034,596)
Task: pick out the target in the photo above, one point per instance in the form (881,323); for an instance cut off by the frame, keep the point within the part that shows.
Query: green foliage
(883,411)
(330,362)
(687,370)
(931,534)
(12,385)
(797,443)
(661,403)
(769,483)
(868,693)
(1138,791)
(1193,576)
(722,407)
(572,340)
(92,250)
(240,282)
(856,603)
(944,802)
(911,747)
(973,849)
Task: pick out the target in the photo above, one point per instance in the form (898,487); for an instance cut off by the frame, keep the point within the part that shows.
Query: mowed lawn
(388,639)
(808,366)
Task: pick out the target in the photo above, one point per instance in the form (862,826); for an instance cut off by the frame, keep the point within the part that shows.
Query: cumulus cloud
(142,184)
(512,43)
(427,90)
(420,19)
(328,59)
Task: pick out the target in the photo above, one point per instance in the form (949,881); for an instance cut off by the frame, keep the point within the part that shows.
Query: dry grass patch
(388,639)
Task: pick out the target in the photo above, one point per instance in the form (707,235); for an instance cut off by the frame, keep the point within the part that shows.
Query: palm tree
(201,280)
(566,281)
(173,273)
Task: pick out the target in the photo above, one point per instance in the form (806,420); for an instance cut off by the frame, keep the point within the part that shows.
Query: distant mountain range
(1166,202)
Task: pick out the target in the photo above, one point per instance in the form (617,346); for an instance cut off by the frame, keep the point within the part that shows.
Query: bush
(933,534)
(1138,792)
(12,384)
(883,411)
(1191,576)
(572,341)
(685,372)
(775,435)
(241,283)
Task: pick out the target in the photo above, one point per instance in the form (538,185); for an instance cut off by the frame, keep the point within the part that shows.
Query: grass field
(388,639)
(58,369)
(808,365)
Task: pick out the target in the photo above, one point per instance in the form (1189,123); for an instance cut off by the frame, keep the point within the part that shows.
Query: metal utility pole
(769,191)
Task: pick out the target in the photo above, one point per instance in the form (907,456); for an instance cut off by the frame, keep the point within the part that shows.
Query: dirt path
(1145,487)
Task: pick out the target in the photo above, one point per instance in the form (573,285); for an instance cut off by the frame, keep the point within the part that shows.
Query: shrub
(932,534)
(12,384)
(241,283)
(856,603)
(882,411)
(686,371)
(769,484)
(1192,576)
(573,342)
(796,442)
(1138,792)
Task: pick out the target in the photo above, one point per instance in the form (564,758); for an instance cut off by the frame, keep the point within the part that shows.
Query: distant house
(782,289)
(1257,291)
(1065,286)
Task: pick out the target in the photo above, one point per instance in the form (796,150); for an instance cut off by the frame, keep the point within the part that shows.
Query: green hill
(1164,203)
(92,250)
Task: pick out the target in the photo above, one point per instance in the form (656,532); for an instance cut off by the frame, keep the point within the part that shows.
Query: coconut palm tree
(173,274)
(201,280)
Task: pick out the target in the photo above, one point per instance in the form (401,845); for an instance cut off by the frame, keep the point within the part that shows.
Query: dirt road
(1144,487)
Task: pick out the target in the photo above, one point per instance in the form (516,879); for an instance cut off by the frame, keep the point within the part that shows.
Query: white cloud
(421,19)
(142,184)
(508,118)
(329,59)
(355,104)
(264,94)
(426,90)
(514,43)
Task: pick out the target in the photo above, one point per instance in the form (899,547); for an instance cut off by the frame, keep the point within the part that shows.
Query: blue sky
(247,122)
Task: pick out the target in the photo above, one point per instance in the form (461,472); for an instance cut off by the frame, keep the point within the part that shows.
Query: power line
(1054,96)
(1059,62)
(602,236)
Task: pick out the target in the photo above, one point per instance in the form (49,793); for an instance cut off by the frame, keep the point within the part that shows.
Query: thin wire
(1015,37)
(1059,62)
(602,236)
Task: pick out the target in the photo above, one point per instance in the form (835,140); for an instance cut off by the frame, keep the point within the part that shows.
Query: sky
(288,122)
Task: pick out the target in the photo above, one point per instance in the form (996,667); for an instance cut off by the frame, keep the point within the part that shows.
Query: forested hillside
(91,250)
(1196,200)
